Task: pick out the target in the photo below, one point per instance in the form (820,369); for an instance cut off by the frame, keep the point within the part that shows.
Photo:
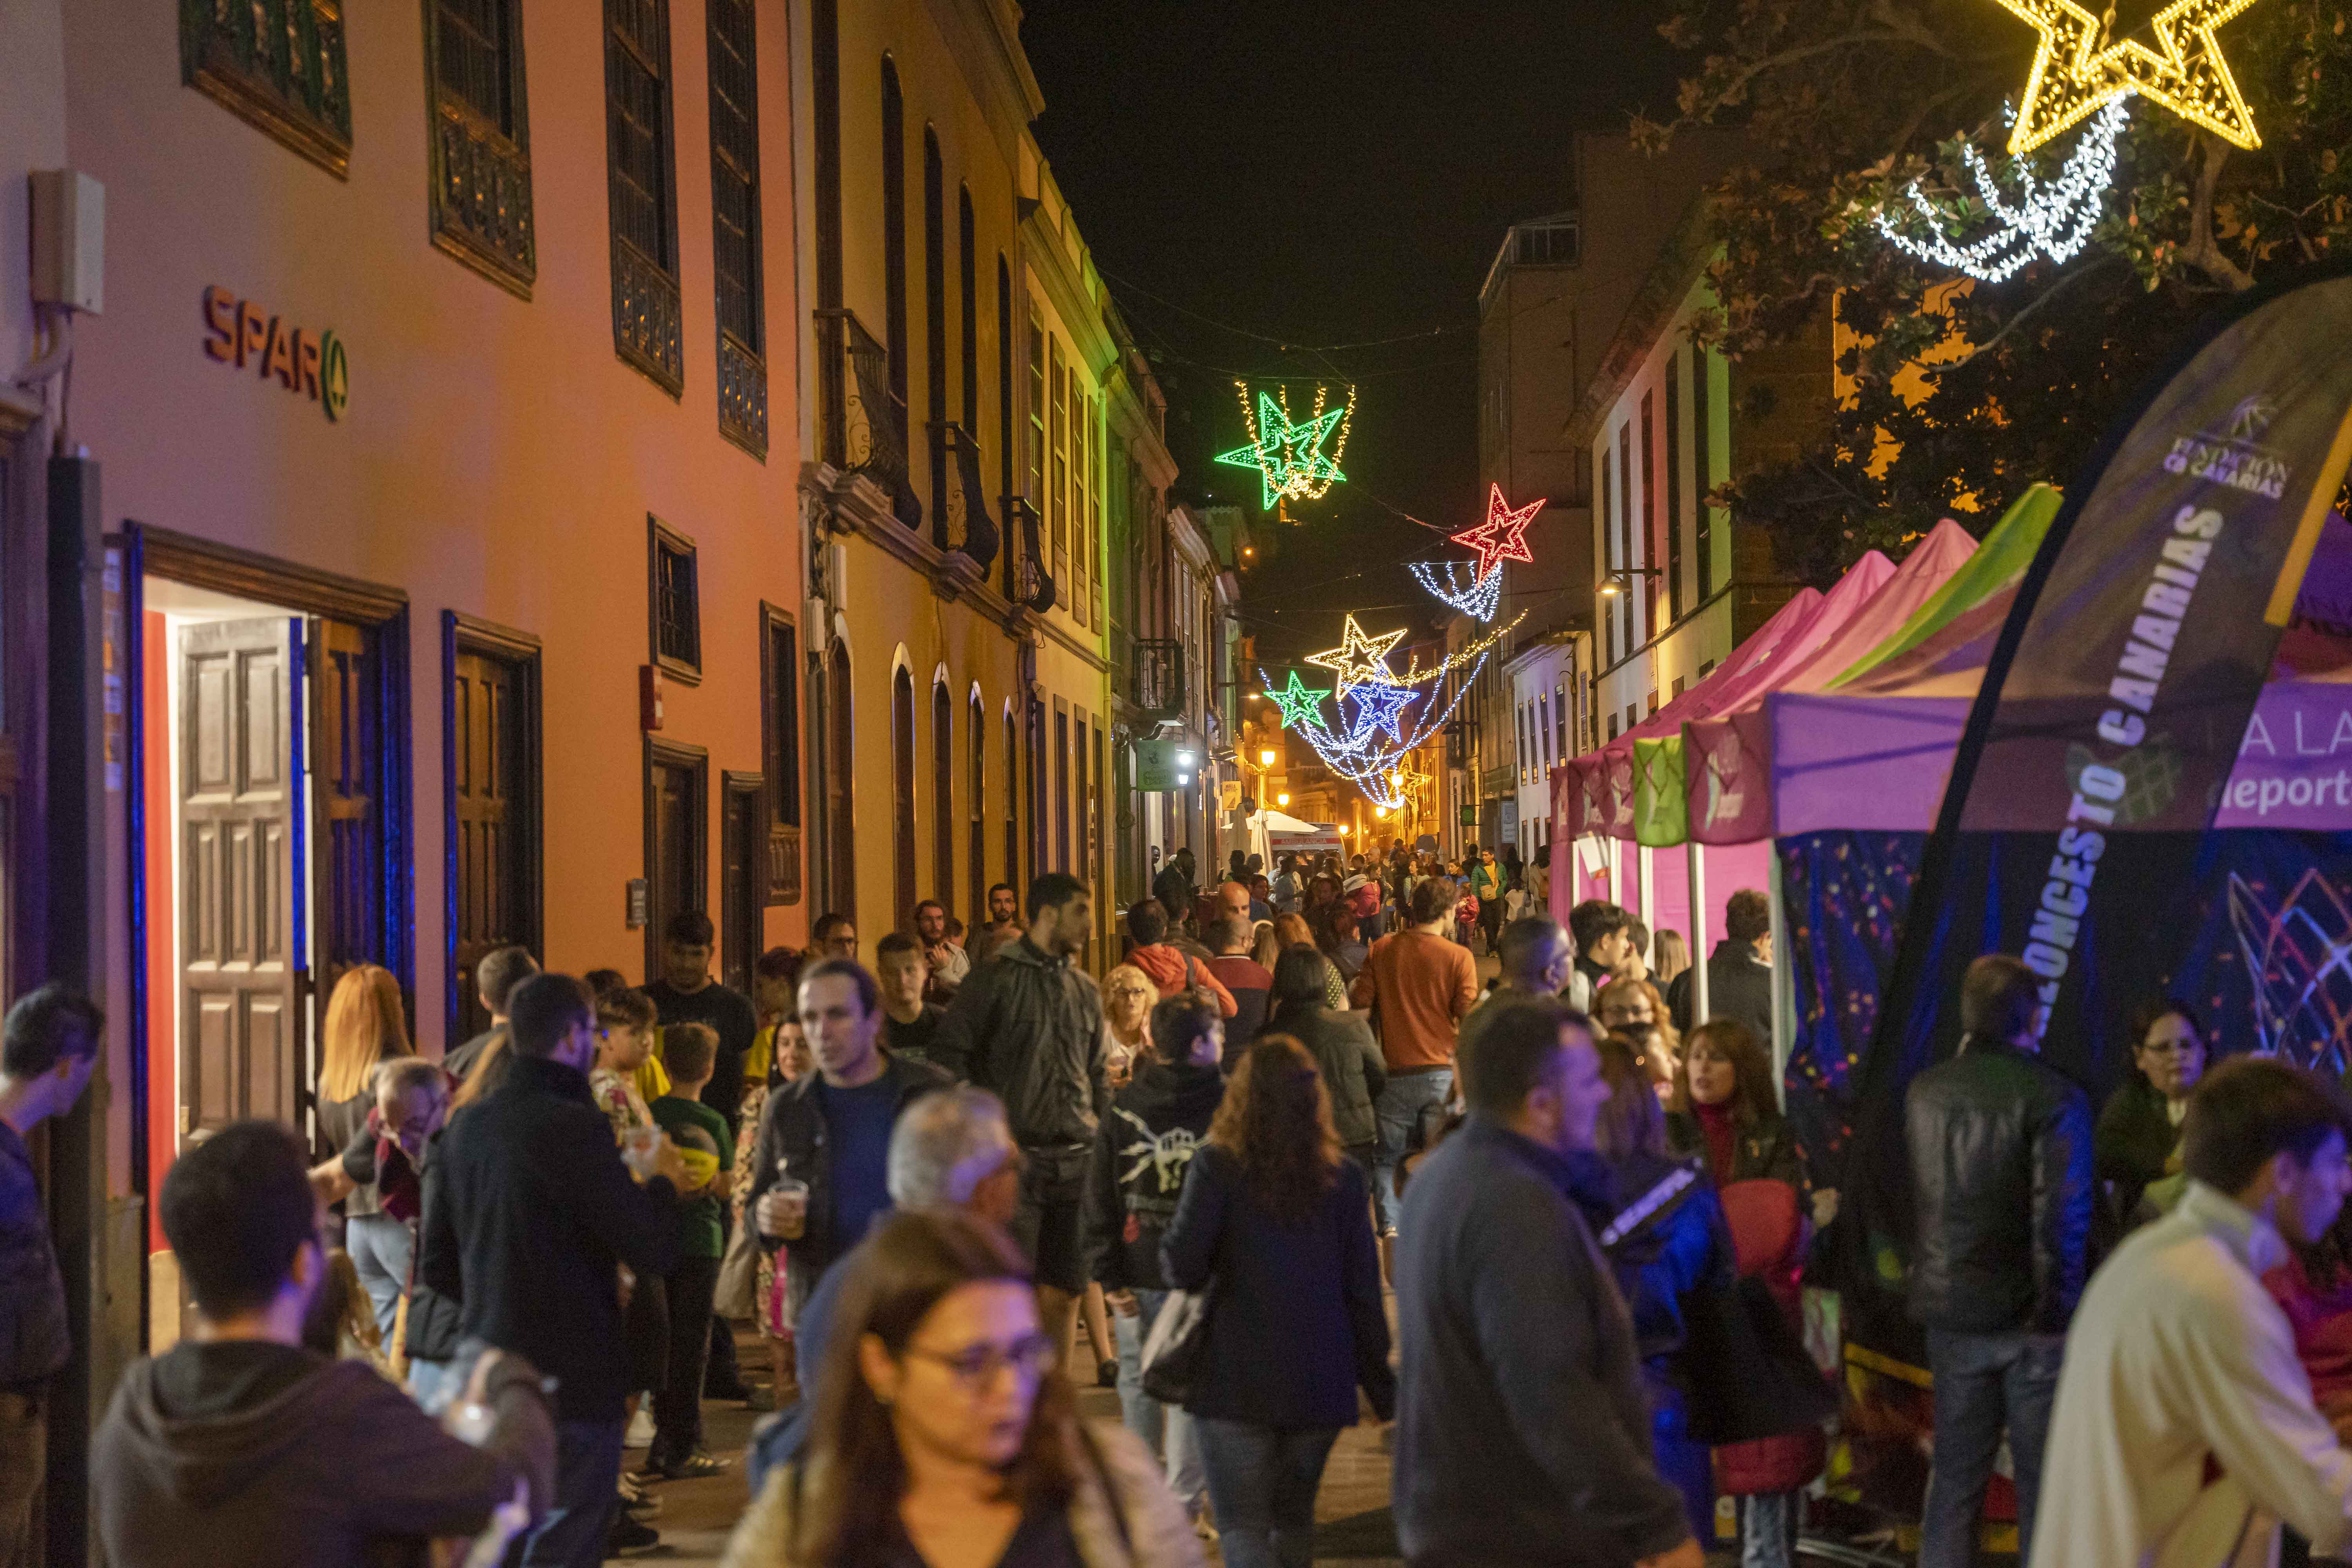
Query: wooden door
(240,1051)
(346,760)
(493,836)
(742,875)
(676,837)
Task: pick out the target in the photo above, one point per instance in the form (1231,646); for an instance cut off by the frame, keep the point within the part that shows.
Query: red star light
(1503,536)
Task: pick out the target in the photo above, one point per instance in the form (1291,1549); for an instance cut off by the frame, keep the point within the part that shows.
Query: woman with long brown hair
(942,1435)
(365,1028)
(1275,1221)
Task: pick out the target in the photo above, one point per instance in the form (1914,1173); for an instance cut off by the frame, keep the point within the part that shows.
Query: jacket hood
(1163,1094)
(1168,969)
(206,1459)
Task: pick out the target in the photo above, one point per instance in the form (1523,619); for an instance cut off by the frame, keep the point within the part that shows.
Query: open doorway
(268,781)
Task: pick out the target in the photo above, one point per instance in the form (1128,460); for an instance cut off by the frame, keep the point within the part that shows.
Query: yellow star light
(2072,76)
(1358,657)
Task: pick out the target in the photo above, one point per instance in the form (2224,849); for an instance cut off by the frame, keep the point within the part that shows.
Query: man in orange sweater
(1169,967)
(1419,982)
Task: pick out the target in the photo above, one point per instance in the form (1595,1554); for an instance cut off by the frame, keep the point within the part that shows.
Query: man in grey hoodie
(240,1447)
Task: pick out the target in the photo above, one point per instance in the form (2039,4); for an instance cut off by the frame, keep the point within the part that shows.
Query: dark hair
(691,927)
(628,1008)
(1147,922)
(928,904)
(1052,891)
(602,983)
(778,963)
(1747,915)
(826,924)
(406,1075)
(912,1261)
(1592,920)
(869,990)
(1432,898)
(542,1010)
(236,1209)
(1631,1122)
(1637,934)
(2149,1015)
(1276,1119)
(1510,1053)
(689,1050)
(1752,1100)
(1999,998)
(2249,1108)
(896,941)
(500,972)
(1298,982)
(1525,943)
(41,1024)
(1179,1020)
(1231,933)
(996,888)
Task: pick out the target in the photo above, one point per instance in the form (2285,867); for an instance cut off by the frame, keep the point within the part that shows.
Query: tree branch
(1937,372)
(2201,251)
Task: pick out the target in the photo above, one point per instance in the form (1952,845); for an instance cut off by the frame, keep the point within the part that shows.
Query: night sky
(1259,183)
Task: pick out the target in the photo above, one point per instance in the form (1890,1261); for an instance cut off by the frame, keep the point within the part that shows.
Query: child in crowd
(700,1133)
(626,1017)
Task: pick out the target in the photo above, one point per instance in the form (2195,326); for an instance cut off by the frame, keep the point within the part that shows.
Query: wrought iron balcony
(1158,690)
(864,423)
(1026,580)
(960,519)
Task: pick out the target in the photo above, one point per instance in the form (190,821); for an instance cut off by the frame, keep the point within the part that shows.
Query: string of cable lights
(1288,454)
(2053,218)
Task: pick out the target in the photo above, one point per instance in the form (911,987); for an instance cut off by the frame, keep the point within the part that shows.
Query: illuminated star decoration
(1359,657)
(1297,701)
(1503,536)
(1289,457)
(2073,78)
(1381,703)
(2052,219)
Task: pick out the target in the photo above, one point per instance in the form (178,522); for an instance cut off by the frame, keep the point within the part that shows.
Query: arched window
(893,224)
(935,325)
(841,851)
(976,737)
(902,796)
(968,277)
(942,796)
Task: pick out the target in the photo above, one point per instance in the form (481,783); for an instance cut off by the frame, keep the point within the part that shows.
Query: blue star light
(1382,704)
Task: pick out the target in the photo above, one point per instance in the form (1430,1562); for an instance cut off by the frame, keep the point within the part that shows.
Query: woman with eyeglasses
(942,1435)
(2136,1148)
(1276,1223)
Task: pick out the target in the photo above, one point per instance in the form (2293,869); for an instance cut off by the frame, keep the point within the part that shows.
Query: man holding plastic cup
(825,1139)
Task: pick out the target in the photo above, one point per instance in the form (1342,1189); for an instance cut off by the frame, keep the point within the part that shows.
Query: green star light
(1288,456)
(1297,701)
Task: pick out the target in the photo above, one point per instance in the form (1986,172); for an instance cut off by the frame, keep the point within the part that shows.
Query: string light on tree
(2053,219)
(1288,455)
(2077,70)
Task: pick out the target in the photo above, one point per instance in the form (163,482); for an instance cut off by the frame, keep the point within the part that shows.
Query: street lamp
(1343,830)
(1265,757)
(1610,588)
(1282,800)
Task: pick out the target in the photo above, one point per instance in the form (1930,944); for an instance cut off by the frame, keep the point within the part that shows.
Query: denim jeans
(578,1525)
(381,1247)
(1399,1108)
(1983,1383)
(1165,1430)
(434,1384)
(1261,1483)
(1768,1529)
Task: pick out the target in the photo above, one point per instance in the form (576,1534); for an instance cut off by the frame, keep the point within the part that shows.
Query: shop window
(481,131)
(278,67)
(735,227)
(641,190)
(677,607)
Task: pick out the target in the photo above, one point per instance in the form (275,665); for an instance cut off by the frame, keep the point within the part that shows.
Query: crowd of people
(929,1188)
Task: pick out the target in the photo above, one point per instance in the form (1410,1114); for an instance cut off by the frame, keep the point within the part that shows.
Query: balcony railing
(960,519)
(1026,580)
(1158,679)
(865,421)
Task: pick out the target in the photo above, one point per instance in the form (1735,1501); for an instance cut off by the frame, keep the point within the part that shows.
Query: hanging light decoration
(2053,219)
(1288,455)
(2077,69)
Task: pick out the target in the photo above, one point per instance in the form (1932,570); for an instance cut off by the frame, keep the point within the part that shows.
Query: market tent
(1269,824)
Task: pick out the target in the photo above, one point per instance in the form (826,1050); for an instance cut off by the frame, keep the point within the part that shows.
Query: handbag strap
(1652,1205)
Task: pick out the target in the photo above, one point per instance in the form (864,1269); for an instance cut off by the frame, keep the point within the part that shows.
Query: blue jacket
(1298,1325)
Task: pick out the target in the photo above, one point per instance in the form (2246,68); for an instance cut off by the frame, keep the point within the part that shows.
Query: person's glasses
(976,1366)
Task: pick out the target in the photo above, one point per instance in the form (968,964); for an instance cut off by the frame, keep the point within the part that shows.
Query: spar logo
(2234,456)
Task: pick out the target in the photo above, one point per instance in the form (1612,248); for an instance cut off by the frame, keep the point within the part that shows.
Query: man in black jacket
(1028,1026)
(2001,1170)
(830,1131)
(531,1218)
(1739,971)
(1133,1180)
(1523,1434)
